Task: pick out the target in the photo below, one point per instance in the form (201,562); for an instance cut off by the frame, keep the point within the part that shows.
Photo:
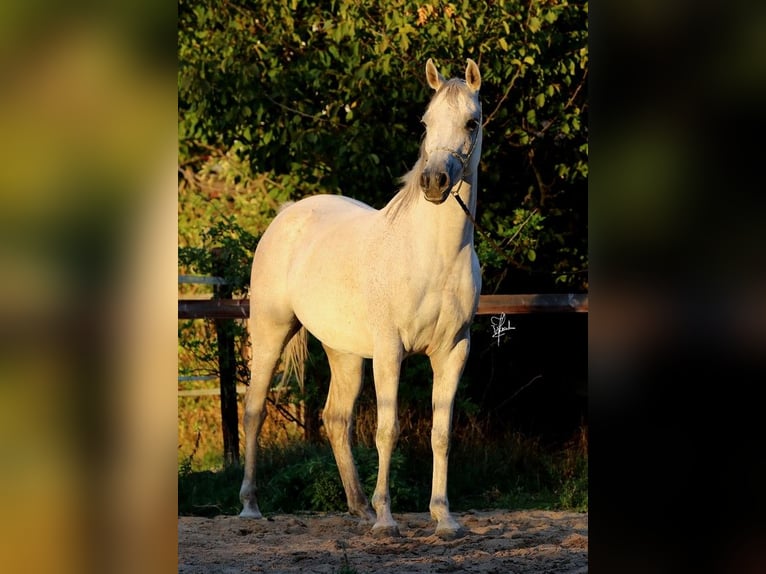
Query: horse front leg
(448,367)
(386,368)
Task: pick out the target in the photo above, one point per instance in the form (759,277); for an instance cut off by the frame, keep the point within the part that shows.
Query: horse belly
(338,329)
(328,303)
(327,292)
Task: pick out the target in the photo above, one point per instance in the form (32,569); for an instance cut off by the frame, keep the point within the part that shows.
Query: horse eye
(471,125)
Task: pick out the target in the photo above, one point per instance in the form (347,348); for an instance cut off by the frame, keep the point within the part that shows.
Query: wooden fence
(216,308)
(222,308)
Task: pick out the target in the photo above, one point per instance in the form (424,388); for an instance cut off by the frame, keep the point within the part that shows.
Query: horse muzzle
(435,186)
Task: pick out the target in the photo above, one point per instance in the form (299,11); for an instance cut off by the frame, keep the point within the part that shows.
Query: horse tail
(294,358)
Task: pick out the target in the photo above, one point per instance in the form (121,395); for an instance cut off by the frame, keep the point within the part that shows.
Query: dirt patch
(495,541)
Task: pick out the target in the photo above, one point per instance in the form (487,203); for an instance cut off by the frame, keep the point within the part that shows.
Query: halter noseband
(465,158)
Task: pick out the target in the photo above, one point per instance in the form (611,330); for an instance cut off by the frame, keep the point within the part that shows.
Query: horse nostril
(434,182)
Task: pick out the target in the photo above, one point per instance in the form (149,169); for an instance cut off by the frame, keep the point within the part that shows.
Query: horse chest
(440,314)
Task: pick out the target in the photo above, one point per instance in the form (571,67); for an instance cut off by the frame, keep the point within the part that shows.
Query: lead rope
(464,159)
(464,162)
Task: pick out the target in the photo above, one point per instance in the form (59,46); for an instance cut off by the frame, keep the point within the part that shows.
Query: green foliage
(573,492)
(327,98)
(513,472)
(346,567)
(307,478)
(209,493)
(185,466)
(572,486)
(312,482)
(226,251)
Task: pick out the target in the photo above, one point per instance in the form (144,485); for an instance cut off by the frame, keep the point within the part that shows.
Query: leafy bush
(301,97)
(513,472)
(225,250)
(309,479)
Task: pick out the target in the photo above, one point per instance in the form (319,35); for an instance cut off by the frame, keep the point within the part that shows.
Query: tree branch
(503,98)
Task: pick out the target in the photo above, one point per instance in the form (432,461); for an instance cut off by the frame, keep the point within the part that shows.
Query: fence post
(227,367)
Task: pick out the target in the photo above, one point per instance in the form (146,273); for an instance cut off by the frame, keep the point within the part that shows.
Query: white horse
(380,284)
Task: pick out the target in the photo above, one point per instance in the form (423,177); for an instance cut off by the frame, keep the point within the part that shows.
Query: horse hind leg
(345,385)
(268,338)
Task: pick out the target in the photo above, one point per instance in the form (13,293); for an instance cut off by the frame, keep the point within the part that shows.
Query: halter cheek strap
(464,159)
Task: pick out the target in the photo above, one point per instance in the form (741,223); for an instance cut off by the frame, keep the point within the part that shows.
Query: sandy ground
(495,542)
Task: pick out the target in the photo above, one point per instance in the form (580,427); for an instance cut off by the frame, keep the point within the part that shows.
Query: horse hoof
(365,516)
(250,513)
(385,531)
(450,533)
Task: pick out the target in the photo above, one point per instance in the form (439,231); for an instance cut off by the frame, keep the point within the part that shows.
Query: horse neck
(445,230)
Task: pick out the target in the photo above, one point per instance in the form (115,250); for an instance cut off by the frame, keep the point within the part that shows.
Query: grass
(346,568)
(507,471)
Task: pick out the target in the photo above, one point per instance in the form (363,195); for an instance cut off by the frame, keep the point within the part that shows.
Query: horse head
(452,143)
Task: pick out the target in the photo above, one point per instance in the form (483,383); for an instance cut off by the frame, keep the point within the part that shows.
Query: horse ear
(472,75)
(435,79)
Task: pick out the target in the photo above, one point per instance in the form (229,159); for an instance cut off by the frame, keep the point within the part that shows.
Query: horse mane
(408,190)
